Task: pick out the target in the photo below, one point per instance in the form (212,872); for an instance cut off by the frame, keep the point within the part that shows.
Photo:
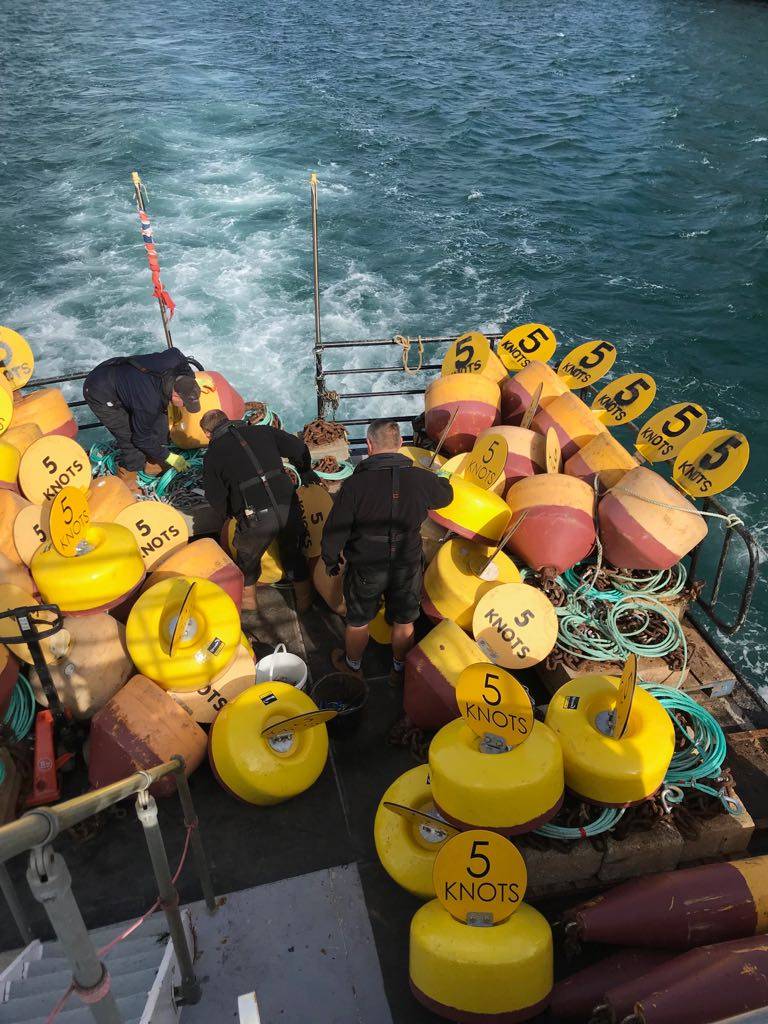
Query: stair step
(150,945)
(130,1008)
(155,925)
(122,982)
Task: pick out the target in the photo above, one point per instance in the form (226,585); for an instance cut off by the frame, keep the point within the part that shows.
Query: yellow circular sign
(627,687)
(468,354)
(158,528)
(624,398)
(530,343)
(552,451)
(50,464)
(30,530)
(711,462)
(316,504)
(479,877)
(6,408)
(515,625)
(68,520)
(665,434)
(485,463)
(586,363)
(16,359)
(492,702)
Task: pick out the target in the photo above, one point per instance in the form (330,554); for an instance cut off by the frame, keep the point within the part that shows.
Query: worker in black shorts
(375,527)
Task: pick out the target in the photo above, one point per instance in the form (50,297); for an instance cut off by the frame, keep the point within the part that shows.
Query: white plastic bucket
(282,666)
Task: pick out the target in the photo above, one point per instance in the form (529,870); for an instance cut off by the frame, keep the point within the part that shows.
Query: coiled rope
(604,822)
(171,487)
(405,345)
(20,716)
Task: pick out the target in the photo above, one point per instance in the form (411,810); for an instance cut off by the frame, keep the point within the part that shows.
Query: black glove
(334,570)
(310,477)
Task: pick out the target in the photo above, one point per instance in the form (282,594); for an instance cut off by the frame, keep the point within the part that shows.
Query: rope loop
(405,345)
(730,520)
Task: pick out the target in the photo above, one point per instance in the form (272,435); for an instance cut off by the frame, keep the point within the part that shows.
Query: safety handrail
(42,824)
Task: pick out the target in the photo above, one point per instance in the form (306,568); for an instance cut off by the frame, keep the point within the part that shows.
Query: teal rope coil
(604,822)
(700,762)
(171,487)
(346,469)
(20,716)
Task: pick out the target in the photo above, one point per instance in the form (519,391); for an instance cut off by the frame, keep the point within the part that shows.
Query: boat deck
(328,826)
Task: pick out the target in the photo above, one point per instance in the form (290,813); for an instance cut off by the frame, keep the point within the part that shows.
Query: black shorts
(399,584)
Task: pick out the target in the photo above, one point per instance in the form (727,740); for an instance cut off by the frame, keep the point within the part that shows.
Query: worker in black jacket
(243,477)
(130,396)
(375,526)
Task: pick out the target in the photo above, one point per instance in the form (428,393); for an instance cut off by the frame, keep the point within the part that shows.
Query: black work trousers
(115,418)
(255,533)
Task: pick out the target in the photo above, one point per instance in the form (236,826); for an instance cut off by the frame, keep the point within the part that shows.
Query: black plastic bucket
(347,696)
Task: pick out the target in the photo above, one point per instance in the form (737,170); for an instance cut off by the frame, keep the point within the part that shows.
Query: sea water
(598,167)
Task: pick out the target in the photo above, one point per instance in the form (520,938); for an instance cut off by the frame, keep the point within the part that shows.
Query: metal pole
(316,283)
(51,885)
(14,905)
(146,810)
(139,192)
(195,840)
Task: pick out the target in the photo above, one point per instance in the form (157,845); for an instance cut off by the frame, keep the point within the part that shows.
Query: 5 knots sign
(493,703)
(526,344)
(468,354)
(479,877)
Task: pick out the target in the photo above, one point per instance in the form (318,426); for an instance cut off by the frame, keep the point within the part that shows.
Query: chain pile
(321,432)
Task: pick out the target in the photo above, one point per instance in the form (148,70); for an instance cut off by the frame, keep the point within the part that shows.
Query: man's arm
(338,527)
(293,449)
(440,492)
(149,432)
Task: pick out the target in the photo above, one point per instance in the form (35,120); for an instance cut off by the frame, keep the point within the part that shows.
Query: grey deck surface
(304,945)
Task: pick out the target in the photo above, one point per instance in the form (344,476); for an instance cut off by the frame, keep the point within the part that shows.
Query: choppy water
(600,167)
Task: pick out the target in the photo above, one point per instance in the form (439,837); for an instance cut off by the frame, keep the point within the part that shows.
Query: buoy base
(513,830)
(467,1017)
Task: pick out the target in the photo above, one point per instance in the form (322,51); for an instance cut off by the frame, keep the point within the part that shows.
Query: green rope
(171,487)
(20,716)
(604,822)
(699,763)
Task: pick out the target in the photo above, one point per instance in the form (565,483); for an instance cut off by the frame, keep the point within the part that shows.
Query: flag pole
(164,300)
(316,284)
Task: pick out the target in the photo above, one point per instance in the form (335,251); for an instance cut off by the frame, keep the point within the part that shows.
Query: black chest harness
(392,536)
(261,478)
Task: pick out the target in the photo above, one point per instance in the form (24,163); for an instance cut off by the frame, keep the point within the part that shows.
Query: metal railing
(331,399)
(50,882)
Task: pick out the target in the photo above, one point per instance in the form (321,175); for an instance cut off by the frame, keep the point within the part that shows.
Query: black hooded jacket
(359,523)
(142,385)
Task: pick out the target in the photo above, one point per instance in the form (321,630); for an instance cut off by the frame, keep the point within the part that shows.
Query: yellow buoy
(432,670)
(473,513)
(94,668)
(458,463)
(407,846)
(107,498)
(379,629)
(263,769)
(459,576)
(613,772)
(207,644)
(51,464)
(205,704)
(16,358)
(106,568)
(501,973)
(9,466)
(515,625)
(423,457)
(510,792)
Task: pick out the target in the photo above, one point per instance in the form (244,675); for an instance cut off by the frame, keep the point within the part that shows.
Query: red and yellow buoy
(603,457)
(204,559)
(573,421)
(215,393)
(21,437)
(559,529)
(11,504)
(525,453)
(107,498)
(517,392)
(48,409)
(475,401)
(432,670)
(646,523)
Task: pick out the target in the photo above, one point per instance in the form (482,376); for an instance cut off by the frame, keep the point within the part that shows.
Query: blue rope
(20,716)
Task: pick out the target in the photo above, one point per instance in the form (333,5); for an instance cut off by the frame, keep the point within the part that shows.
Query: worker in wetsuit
(130,395)
(243,477)
(375,527)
